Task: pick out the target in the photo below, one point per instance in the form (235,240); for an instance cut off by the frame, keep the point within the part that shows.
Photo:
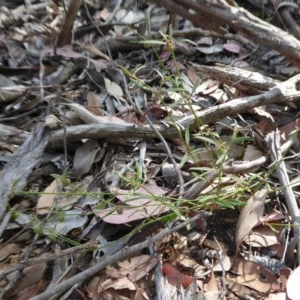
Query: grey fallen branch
(244,80)
(282,93)
(273,140)
(105,261)
(216,15)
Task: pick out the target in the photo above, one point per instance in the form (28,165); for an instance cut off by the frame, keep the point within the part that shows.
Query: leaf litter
(119,97)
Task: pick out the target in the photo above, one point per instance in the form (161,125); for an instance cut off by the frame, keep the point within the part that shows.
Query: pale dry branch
(247,81)
(273,140)
(287,91)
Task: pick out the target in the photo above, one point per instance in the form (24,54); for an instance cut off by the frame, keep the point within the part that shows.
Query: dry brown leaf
(141,196)
(187,262)
(253,275)
(263,236)
(192,75)
(94,103)
(212,284)
(249,216)
(140,204)
(119,284)
(73,195)
(284,274)
(119,288)
(46,200)
(31,275)
(287,129)
(134,268)
(130,214)
(237,288)
(8,249)
(68,52)
(30,292)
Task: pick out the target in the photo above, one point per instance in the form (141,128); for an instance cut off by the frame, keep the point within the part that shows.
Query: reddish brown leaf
(175,277)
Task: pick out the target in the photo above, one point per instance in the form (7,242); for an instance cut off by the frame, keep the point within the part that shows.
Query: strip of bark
(17,170)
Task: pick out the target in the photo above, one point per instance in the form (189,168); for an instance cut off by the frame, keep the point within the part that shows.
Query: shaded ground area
(149,150)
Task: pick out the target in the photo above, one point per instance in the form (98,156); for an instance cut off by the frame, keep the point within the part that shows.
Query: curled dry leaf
(249,216)
(213,290)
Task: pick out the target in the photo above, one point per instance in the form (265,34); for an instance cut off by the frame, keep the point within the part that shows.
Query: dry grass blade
(250,216)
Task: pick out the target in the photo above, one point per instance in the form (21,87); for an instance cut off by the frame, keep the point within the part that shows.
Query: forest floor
(149,151)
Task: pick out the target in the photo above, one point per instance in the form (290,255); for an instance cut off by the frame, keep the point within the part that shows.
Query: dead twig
(65,35)
(273,140)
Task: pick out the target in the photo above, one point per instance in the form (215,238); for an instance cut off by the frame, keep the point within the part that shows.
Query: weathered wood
(246,81)
(17,170)
(12,135)
(284,92)
(217,14)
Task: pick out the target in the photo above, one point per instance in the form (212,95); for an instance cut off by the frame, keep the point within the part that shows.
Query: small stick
(273,140)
